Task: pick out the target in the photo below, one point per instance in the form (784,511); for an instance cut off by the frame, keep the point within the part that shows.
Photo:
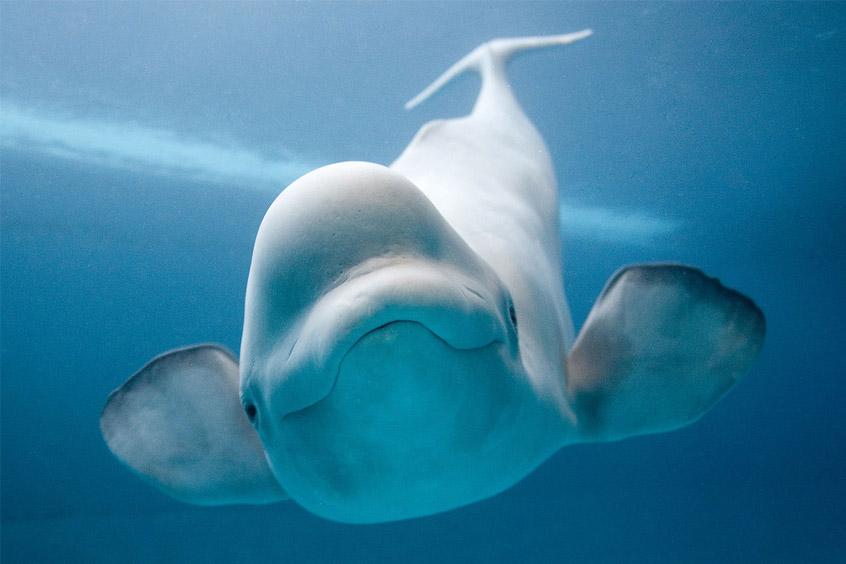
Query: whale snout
(408,422)
(458,311)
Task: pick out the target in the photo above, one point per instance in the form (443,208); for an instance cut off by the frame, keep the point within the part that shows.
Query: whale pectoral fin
(661,345)
(179,424)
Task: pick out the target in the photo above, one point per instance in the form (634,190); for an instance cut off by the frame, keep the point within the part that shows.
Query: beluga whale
(407,345)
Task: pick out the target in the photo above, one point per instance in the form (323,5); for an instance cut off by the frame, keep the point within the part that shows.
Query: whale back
(491,176)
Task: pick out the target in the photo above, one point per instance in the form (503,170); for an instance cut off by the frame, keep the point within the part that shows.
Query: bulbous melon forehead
(343,248)
(328,223)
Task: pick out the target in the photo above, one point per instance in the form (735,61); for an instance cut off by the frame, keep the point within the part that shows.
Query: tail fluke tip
(498,48)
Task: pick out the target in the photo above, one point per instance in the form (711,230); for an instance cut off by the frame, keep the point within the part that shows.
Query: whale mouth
(389,335)
(405,425)
(455,309)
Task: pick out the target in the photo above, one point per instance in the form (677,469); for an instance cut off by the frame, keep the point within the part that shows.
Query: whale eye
(250,410)
(512,315)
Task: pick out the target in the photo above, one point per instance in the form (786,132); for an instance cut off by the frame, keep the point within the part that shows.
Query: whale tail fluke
(489,59)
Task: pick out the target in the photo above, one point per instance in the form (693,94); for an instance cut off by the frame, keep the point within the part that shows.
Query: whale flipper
(178,423)
(661,345)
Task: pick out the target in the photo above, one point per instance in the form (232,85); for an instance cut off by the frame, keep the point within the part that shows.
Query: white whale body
(407,345)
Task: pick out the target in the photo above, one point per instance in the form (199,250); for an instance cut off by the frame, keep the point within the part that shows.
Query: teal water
(142,143)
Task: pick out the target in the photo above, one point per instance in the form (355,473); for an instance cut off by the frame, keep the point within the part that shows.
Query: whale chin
(407,429)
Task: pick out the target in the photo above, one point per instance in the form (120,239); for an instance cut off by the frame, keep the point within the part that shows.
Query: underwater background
(143,142)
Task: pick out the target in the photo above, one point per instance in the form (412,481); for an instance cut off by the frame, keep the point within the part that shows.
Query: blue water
(711,134)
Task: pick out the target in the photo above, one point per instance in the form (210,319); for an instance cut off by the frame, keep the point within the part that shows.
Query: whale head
(380,353)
